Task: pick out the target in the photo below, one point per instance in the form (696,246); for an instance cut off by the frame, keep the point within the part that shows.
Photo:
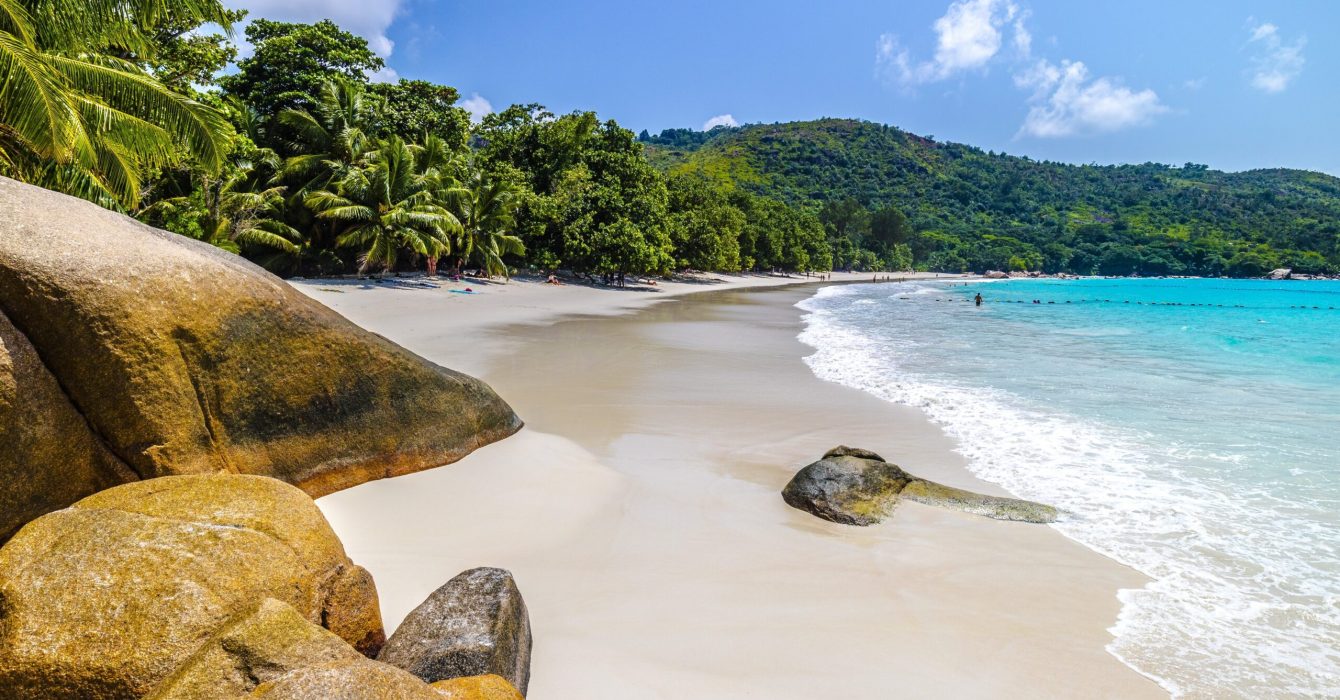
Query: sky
(1235,84)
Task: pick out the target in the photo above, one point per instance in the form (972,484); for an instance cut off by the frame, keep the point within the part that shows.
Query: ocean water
(1189,428)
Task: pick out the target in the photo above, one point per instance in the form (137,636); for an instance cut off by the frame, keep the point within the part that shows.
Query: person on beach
(978,299)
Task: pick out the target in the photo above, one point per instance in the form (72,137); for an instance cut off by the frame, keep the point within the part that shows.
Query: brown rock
(486,687)
(108,597)
(475,624)
(853,486)
(359,679)
(49,458)
(261,645)
(186,359)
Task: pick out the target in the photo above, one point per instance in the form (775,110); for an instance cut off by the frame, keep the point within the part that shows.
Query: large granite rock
(186,359)
(261,645)
(857,487)
(49,457)
(108,597)
(487,687)
(360,679)
(475,624)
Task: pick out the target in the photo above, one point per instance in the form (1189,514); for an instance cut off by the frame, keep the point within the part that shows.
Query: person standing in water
(978,299)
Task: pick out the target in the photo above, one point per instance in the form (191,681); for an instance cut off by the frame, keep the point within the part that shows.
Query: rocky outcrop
(107,598)
(475,624)
(488,687)
(185,359)
(1282,273)
(857,487)
(261,645)
(49,458)
(360,679)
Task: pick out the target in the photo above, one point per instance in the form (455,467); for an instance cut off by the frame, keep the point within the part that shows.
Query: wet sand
(640,513)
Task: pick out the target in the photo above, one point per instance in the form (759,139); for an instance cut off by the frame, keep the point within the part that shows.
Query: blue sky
(1233,84)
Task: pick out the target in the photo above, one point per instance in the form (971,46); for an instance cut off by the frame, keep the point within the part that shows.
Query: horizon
(1157,83)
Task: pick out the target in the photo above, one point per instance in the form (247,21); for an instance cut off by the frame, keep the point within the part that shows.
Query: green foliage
(387,205)
(414,109)
(590,201)
(77,116)
(291,62)
(993,211)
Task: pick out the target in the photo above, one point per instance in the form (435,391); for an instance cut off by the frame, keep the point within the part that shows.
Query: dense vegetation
(294,157)
(955,207)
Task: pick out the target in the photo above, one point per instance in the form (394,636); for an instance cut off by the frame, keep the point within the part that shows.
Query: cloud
(367,18)
(1194,83)
(1275,64)
(968,36)
(719,120)
(385,74)
(1066,102)
(477,106)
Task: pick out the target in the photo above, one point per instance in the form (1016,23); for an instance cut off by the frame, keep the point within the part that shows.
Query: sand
(640,512)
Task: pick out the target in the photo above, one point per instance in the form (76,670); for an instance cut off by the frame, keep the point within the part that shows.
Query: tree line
(883,193)
(298,159)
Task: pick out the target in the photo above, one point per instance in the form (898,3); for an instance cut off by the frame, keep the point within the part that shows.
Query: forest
(300,159)
(877,188)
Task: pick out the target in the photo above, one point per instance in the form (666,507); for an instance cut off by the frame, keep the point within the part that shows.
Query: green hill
(959,207)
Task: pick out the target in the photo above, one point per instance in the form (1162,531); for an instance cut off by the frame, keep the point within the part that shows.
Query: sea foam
(1245,592)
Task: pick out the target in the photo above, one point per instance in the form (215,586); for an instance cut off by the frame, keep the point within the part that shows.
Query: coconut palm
(486,208)
(235,210)
(332,140)
(75,117)
(385,206)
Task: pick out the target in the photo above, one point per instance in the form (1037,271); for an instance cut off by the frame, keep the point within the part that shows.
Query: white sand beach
(640,510)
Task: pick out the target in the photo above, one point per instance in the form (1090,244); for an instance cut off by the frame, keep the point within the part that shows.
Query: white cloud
(386,74)
(968,36)
(719,120)
(1194,83)
(367,18)
(1275,63)
(1066,102)
(477,106)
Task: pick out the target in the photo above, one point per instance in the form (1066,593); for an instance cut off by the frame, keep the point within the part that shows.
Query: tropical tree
(231,211)
(486,209)
(331,138)
(385,206)
(77,116)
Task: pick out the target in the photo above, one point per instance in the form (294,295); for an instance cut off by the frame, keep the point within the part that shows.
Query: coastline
(640,512)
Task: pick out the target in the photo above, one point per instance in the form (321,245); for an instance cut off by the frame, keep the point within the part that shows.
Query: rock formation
(474,624)
(106,598)
(488,687)
(184,359)
(857,487)
(49,457)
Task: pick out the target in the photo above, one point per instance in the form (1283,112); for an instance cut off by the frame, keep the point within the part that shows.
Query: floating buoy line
(1041,302)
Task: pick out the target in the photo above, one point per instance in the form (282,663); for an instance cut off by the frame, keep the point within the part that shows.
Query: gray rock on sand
(852,486)
(474,624)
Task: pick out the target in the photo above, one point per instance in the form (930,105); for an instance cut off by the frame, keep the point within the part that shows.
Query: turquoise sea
(1190,429)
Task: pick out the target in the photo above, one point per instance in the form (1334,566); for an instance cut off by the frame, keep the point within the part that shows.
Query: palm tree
(385,206)
(75,117)
(334,139)
(486,208)
(235,210)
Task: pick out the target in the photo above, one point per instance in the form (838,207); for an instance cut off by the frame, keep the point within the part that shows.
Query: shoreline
(640,513)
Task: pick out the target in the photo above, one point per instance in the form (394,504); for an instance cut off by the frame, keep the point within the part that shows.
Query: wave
(1243,599)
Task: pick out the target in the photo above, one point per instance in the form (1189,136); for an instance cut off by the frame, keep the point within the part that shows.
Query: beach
(640,511)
